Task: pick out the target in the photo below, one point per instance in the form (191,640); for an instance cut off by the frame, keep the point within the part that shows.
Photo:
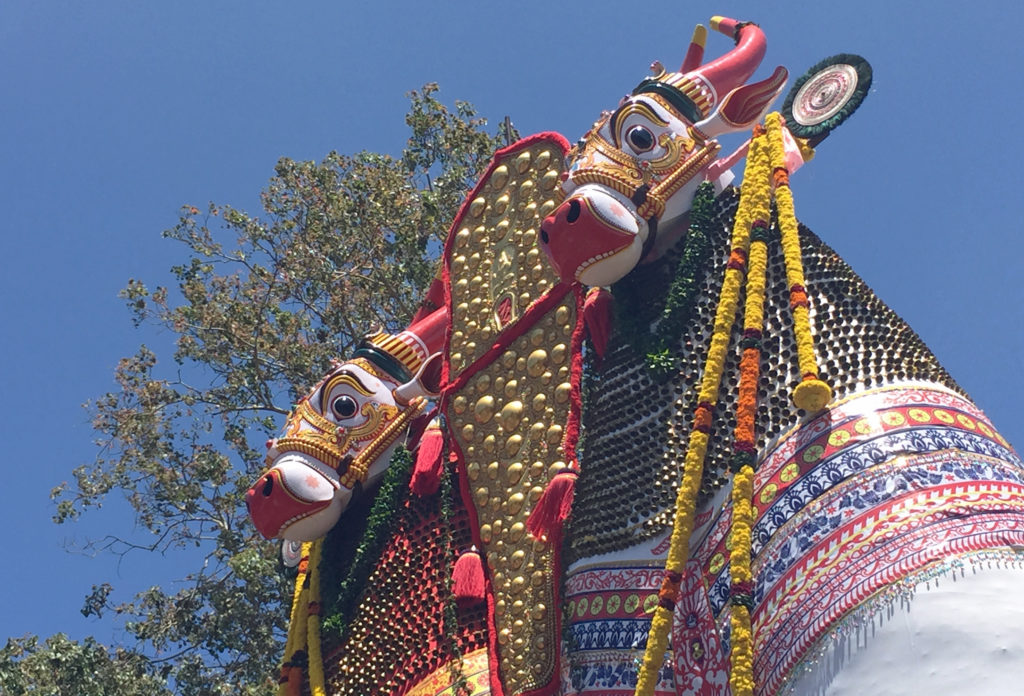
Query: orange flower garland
(741,673)
(758,169)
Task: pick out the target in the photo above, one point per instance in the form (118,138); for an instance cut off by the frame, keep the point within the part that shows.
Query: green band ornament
(826,95)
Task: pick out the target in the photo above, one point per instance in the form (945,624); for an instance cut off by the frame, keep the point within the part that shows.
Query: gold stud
(562,392)
(558,353)
(549,181)
(554,435)
(513,445)
(517,530)
(483,411)
(499,177)
(523,162)
(515,504)
(511,414)
(483,383)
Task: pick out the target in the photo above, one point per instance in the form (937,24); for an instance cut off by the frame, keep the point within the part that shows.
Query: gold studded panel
(495,267)
(508,418)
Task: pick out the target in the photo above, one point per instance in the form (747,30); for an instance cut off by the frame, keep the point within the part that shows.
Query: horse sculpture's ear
(746,105)
(426,383)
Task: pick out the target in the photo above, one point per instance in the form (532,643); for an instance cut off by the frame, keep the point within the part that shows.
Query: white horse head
(342,435)
(638,167)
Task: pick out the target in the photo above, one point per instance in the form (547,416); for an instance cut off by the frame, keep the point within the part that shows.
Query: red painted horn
(735,67)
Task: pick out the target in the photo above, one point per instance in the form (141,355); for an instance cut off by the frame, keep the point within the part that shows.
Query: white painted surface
(963,636)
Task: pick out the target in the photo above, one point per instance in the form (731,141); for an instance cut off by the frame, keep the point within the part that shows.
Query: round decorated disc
(826,95)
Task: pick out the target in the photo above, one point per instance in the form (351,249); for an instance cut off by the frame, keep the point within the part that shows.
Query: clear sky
(114,114)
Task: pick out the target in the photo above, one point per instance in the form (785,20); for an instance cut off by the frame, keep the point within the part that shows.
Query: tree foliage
(262,304)
(62,667)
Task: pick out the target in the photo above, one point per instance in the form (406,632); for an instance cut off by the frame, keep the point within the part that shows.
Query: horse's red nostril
(268,485)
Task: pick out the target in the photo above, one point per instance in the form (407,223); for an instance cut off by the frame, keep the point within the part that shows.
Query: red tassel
(597,311)
(554,505)
(426,474)
(468,578)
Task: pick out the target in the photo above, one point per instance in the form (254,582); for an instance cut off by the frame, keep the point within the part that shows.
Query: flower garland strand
(741,672)
(812,394)
(758,168)
(394,490)
(290,681)
(682,293)
(313,652)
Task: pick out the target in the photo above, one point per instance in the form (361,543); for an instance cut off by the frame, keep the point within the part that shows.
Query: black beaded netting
(636,429)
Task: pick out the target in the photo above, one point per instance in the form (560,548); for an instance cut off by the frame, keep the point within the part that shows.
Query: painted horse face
(338,437)
(343,434)
(639,166)
(616,189)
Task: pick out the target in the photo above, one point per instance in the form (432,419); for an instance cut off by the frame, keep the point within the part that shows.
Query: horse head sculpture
(638,167)
(341,436)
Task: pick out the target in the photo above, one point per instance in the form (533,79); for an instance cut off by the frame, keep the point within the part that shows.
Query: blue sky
(115,114)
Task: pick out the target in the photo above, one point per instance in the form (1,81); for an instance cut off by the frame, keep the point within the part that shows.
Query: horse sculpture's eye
(344,407)
(640,139)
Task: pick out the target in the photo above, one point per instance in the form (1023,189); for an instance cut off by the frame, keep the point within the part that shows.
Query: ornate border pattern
(857,502)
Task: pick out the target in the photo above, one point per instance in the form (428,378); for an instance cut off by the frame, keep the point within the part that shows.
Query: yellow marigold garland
(812,394)
(741,673)
(290,681)
(316,665)
(758,168)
